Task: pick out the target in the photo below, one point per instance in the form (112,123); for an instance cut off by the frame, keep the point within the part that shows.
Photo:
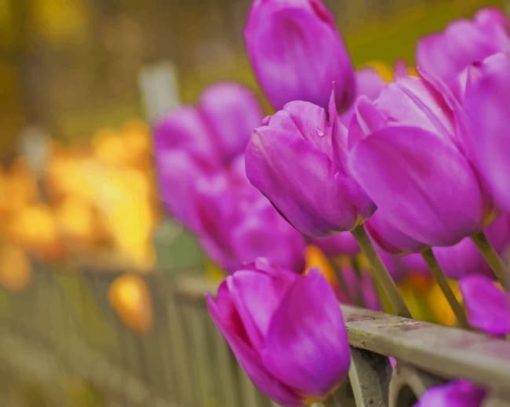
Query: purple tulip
(237,224)
(405,157)
(297,53)
(464,42)
(298,160)
(458,393)
(230,112)
(486,104)
(342,243)
(216,130)
(286,331)
(368,83)
(488,307)
(388,237)
(464,258)
(178,173)
(400,267)
(183,130)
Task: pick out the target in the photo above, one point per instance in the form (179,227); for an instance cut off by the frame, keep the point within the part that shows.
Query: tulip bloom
(342,243)
(236,224)
(488,307)
(486,102)
(464,258)
(464,42)
(458,393)
(298,160)
(286,331)
(405,157)
(216,130)
(297,53)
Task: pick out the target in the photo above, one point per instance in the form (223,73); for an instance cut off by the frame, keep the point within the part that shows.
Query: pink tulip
(286,331)
(458,393)
(488,307)
(297,53)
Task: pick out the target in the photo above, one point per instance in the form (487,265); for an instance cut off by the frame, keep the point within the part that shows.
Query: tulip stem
(380,274)
(492,258)
(442,281)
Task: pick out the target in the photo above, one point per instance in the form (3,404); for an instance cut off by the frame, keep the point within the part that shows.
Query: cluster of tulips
(414,173)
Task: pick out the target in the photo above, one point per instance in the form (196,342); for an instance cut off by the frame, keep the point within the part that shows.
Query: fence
(61,344)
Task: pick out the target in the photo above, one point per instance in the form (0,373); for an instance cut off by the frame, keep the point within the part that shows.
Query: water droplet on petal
(320,132)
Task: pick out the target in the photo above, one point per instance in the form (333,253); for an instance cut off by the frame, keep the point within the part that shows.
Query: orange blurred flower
(131,300)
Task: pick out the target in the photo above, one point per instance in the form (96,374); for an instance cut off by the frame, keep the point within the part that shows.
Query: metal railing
(61,344)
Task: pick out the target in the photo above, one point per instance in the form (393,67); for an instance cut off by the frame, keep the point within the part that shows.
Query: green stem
(442,281)
(492,258)
(380,273)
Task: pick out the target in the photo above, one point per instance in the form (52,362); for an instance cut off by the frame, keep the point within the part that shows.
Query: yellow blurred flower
(34,228)
(15,267)
(131,300)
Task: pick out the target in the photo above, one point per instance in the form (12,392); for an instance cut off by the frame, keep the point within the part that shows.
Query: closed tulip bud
(297,53)
(230,112)
(286,331)
(298,160)
(447,54)
(217,129)
(488,307)
(486,104)
(405,157)
(237,224)
(458,393)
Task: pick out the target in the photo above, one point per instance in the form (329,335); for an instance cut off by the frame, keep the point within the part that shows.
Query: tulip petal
(306,345)
(389,237)
(183,129)
(488,307)
(458,393)
(256,296)
(230,113)
(178,174)
(338,244)
(486,103)
(264,233)
(421,183)
(227,320)
(413,102)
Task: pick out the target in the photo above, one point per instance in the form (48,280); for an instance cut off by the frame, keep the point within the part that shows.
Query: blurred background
(77,90)
(80,83)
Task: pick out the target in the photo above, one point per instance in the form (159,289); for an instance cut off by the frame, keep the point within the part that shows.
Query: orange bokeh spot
(130,298)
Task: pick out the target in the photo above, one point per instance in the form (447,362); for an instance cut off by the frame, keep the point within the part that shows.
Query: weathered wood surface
(447,352)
